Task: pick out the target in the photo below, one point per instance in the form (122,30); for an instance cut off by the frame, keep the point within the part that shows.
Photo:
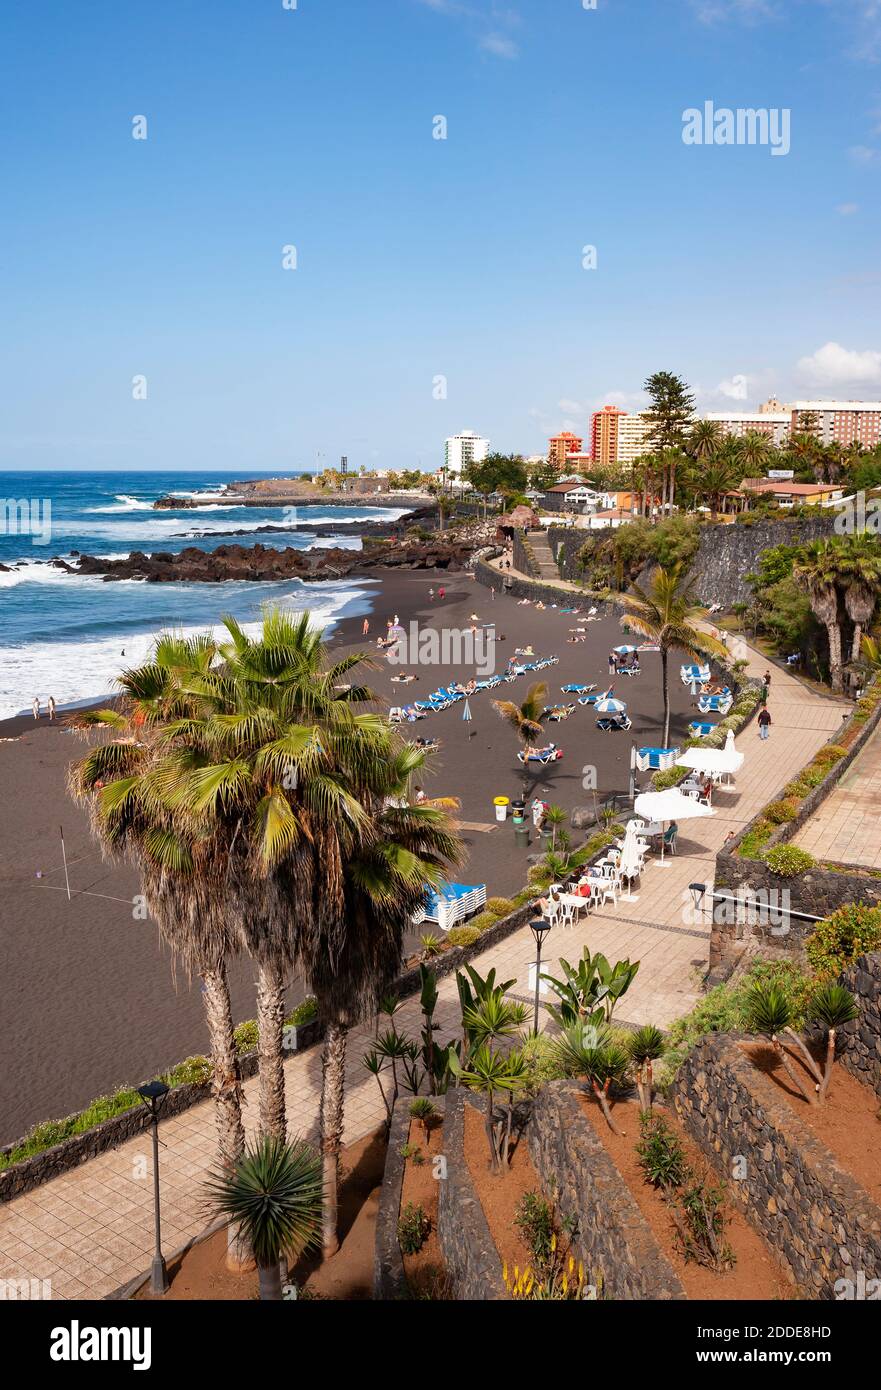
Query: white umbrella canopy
(670,805)
(719,760)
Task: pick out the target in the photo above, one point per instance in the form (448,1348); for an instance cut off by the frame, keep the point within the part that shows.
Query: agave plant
(832,1006)
(590,991)
(645,1046)
(591,1052)
(768,1012)
(423,1110)
(273,1194)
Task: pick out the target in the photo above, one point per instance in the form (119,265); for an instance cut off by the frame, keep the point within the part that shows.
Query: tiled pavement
(90,1231)
(847,826)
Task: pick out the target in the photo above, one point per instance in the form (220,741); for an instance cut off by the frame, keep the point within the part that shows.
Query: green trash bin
(521,836)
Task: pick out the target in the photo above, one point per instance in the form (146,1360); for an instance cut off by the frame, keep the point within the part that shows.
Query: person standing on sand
(51,707)
(366,627)
(441,593)
(36,706)
(764,723)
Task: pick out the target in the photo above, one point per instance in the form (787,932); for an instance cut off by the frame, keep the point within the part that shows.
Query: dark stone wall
(469,1251)
(613,1239)
(861,1051)
(389,1279)
(820,1221)
(818,892)
(728,553)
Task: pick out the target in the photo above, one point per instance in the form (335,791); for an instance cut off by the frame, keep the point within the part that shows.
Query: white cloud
(834,365)
(862,154)
(500,45)
(737,389)
(572,407)
(847,209)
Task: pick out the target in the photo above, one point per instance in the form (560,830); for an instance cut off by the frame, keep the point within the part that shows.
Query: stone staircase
(543,556)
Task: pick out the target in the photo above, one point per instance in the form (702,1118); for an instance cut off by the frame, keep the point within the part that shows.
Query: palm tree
(817,573)
(833,1006)
(664,616)
(719,473)
(524,718)
(861,568)
(353,947)
(273,1195)
(704,439)
(487,1073)
(120,782)
(755,452)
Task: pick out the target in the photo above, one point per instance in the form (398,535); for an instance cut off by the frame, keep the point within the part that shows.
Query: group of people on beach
(50,707)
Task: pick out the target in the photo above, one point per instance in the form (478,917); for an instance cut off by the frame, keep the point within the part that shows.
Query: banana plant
(590,991)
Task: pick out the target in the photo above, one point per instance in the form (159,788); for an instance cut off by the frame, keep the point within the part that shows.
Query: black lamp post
(153,1095)
(539,929)
(697,892)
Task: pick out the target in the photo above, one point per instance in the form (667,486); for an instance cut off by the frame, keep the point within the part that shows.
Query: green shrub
(752,842)
(246,1037)
(482,921)
(192,1071)
(838,940)
(304,1013)
(831,754)
(788,860)
(534,1219)
(542,1063)
(778,812)
(463,936)
(669,777)
(413,1229)
(499,907)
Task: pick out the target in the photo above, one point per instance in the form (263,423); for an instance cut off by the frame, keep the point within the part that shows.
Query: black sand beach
(88,996)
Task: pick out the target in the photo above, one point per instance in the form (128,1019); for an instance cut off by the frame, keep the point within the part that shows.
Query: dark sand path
(88,999)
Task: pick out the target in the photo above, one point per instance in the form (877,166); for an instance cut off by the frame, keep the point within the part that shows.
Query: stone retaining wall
(613,1239)
(861,1051)
(815,1215)
(389,1279)
(520,587)
(819,891)
(469,1251)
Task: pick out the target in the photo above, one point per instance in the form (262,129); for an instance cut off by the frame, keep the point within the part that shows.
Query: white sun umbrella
(664,807)
(629,866)
(714,760)
(610,706)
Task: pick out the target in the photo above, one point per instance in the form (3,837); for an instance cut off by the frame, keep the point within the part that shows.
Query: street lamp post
(153,1095)
(539,929)
(697,892)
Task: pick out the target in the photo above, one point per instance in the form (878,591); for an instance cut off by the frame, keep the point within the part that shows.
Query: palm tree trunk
(666,684)
(224,1067)
(333,1079)
(604,1106)
(269,1280)
(270,1055)
(834,633)
(830,1059)
(787,1066)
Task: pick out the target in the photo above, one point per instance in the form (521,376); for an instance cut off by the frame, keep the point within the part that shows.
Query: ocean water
(69,637)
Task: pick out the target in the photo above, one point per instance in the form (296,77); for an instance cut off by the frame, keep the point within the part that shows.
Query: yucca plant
(555,817)
(273,1195)
(768,1012)
(832,1006)
(588,1051)
(423,1110)
(431,945)
(645,1046)
(489,1072)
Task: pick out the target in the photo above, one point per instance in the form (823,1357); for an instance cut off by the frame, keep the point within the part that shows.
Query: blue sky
(419,258)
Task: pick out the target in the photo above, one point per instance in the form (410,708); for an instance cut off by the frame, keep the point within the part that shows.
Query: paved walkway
(91,1230)
(846,828)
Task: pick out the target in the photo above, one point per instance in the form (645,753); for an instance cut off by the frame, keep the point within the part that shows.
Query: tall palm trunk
(333,1075)
(833,631)
(270,1053)
(666,683)
(225,1086)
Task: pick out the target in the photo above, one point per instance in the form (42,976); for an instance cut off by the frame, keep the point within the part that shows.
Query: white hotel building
(774,424)
(464,448)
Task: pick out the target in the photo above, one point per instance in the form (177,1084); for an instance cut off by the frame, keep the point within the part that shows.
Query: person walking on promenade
(431,594)
(763,695)
(764,723)
(50,705)
(442,593)
(36,706)
(767,679)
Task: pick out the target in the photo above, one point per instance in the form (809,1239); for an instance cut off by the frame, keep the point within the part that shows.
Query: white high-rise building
(773,424)
(466,447)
